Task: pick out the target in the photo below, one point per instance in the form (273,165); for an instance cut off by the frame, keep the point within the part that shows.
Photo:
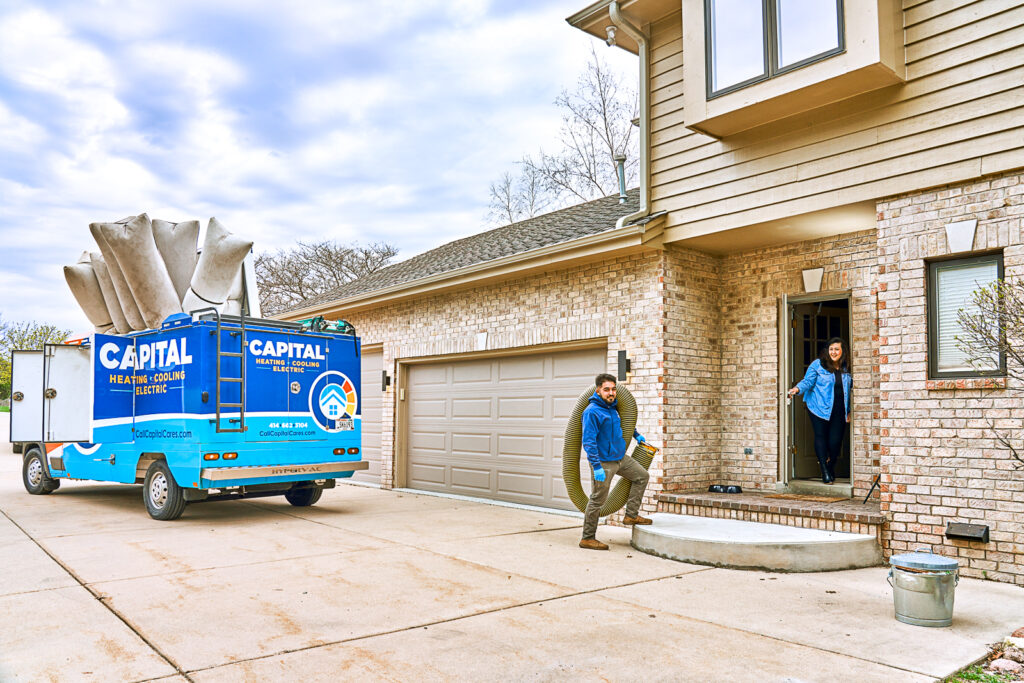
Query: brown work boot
(636,520)
(593,544)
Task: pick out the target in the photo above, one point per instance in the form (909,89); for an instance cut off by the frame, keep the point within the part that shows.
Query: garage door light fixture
(385,380)
(625,366)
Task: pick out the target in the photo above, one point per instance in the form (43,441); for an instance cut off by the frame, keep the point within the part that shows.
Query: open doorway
(812,324)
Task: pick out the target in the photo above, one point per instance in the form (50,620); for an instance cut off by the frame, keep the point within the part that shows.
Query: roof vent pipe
(620,167)
(645,113)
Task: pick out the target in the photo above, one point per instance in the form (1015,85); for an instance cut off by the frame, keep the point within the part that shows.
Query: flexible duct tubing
(573,443)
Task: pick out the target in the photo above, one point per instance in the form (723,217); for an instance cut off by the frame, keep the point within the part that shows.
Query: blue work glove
(599,473)
(640,438)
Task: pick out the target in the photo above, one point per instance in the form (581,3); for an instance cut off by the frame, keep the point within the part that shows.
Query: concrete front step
(754,545)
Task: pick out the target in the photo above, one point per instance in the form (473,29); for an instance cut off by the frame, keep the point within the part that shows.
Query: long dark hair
(844,363)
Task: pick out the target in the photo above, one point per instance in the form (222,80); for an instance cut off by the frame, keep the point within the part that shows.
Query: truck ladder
(240,381)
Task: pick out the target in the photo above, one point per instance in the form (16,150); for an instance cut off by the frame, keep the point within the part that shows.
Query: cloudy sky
(321,119)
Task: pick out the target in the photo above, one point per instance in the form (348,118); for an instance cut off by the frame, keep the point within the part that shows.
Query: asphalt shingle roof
(564,225)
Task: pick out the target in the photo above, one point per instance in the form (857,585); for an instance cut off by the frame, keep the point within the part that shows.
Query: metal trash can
(923,585)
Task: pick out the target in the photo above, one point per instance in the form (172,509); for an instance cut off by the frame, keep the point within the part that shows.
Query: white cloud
(19,133)
(312,120)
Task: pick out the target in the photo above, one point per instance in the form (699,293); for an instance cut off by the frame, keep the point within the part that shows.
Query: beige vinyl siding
(959,116)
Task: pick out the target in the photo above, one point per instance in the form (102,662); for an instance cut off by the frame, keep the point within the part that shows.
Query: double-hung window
(951,288)
(749,41)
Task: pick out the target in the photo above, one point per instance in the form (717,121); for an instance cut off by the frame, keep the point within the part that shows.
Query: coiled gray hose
(643,453)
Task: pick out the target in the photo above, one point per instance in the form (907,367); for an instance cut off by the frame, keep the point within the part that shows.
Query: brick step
(850,516)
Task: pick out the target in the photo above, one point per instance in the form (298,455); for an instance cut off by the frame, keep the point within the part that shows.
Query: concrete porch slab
(754,545)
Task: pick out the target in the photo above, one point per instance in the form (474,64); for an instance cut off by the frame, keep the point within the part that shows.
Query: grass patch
(977,674)
(4,409)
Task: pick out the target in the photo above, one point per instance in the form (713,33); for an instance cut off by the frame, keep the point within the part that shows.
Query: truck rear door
(27,396)
(67,394)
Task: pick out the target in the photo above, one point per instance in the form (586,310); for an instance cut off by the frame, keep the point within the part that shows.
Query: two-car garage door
(493,427)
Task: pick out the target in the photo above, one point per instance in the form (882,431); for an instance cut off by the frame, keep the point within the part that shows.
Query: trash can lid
(922,558)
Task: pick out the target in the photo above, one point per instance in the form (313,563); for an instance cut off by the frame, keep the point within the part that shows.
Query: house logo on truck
(333,402)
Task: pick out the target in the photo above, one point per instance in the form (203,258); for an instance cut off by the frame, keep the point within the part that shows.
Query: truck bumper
(214,476)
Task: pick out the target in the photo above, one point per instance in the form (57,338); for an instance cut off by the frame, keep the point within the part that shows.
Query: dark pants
(828,442)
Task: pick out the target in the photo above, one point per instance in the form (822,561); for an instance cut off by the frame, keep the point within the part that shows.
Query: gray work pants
(627,468)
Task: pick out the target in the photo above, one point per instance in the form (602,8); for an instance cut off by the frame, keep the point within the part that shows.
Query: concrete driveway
(374,584)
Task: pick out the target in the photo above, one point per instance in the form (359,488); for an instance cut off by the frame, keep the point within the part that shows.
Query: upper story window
(951,288)
(749,41)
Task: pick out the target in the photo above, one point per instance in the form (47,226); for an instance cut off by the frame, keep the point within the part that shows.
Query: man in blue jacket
(606,452)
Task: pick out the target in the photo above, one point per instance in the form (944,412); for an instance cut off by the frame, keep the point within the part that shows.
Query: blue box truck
(206,407)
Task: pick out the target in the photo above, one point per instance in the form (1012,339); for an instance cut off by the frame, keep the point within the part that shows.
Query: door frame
(785,378)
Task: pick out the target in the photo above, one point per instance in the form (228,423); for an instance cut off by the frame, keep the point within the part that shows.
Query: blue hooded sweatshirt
(602,432)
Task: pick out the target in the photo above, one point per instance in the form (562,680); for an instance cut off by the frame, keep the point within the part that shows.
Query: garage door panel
(521,483)
(426,474)
(532,446)
(518,408)
(427,441)
(472,407)
(522,368)
(471,443)
(563,405)
(471,373)
(436,407)
(479,480)
(500,433)
(429,375)
(575,366)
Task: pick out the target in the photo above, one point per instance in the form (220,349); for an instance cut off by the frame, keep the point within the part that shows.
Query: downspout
(645,113)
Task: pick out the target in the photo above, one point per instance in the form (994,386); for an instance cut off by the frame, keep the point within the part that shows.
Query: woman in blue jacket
(826,393)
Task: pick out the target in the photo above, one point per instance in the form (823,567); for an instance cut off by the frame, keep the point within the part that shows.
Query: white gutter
(645,113)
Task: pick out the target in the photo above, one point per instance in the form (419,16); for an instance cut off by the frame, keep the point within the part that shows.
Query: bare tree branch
(290,276)
(597,125)
(991,327)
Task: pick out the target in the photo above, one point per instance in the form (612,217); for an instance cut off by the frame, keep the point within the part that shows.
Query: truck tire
(34,475)
(304,496)
(164,499)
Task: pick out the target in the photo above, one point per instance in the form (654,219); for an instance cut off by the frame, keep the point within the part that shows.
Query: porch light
(812,279)
(385,380)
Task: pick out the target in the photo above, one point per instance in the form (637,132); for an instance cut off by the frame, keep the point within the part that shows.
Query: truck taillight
(230,456)
(353,451)
(211,456)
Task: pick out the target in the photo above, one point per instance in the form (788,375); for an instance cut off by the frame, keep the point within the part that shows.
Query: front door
(810,325)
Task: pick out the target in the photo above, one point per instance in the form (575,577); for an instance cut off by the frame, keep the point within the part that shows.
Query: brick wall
(693,362)
(619,299)
(940,462)
(752,283)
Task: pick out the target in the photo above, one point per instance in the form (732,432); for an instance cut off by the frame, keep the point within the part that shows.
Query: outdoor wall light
(610,30)
(624,366)
(385,380)
(812,279)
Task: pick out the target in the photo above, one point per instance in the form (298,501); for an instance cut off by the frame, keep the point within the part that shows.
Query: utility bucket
(923,585)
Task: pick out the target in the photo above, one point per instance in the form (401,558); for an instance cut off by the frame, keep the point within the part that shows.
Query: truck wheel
(34,475)
(163,497)
(303,497)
